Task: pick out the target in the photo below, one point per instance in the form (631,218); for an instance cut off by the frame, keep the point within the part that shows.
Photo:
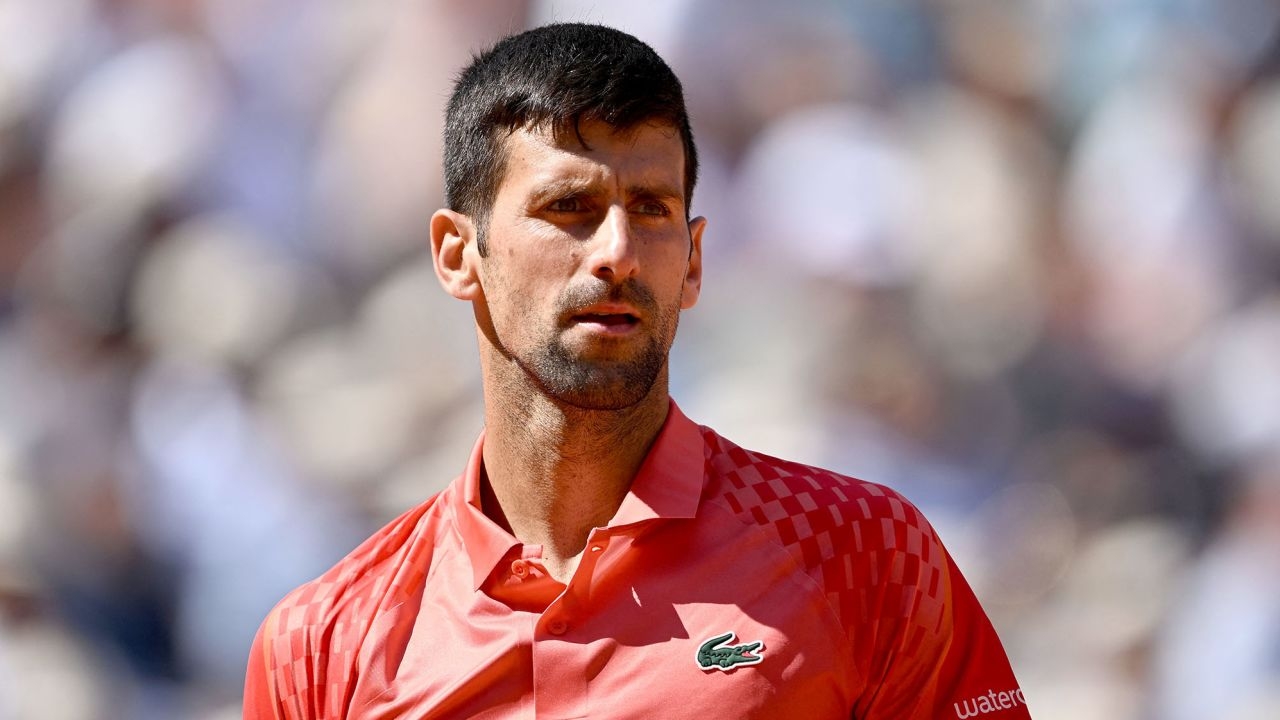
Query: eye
(651,207)
(567,205)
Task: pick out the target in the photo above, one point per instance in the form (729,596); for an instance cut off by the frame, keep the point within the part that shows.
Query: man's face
(590,260)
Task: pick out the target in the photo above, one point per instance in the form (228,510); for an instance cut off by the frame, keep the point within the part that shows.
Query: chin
(591,389)
(600,399)
(616,383)
(599,385)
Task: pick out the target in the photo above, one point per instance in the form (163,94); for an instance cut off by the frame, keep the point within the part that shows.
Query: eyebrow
(567,187)
(560,188)
(657,191)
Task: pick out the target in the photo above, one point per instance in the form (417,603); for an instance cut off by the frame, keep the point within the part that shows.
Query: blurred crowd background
(1019,260)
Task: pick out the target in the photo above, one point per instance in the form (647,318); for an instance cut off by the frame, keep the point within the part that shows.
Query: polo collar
(668,486)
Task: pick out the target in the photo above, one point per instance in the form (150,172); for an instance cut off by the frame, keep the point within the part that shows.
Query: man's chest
(680,623)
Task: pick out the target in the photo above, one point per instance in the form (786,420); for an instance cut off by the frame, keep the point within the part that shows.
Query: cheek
(675,268)
(519,289)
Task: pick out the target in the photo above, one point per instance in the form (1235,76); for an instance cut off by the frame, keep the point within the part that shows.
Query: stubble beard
(604,383)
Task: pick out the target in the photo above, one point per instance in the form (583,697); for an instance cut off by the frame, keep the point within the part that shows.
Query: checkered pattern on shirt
(319,627)
(875,556)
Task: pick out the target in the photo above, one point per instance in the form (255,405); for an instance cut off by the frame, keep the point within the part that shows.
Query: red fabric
(856,607)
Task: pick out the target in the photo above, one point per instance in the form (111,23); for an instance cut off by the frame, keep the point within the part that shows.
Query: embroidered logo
(718,653)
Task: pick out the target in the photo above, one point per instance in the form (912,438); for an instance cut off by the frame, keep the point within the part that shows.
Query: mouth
(611,321)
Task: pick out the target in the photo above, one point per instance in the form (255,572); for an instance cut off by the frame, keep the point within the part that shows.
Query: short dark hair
(554,76)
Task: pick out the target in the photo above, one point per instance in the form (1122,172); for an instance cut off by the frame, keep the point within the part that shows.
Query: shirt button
(520,568)
(558,627)
(597,548)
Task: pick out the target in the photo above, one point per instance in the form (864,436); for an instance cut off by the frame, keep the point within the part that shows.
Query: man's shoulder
(768,489)
(820,516)
(376,574)
(857,540)
(308,648)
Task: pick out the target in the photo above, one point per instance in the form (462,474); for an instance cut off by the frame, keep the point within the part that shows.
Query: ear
(693,275)
(454,253)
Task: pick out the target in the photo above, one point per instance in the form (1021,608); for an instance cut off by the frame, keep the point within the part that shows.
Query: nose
(613,254)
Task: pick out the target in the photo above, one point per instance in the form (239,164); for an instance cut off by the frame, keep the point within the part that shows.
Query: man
(601,555)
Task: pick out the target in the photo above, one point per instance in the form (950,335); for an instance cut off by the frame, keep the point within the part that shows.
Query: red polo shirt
(729,584)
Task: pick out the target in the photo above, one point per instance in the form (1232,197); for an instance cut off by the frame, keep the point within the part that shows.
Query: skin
(590,261)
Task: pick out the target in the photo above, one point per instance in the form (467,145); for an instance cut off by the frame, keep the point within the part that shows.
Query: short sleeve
(974,676)
(939,657)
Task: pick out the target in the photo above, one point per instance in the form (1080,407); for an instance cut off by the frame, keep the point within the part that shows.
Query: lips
(608,319)
(612,318)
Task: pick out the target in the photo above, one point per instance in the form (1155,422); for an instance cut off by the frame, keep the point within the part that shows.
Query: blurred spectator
(1219,655)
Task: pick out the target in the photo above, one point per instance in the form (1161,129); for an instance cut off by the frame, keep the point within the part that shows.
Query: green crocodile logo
(716,653)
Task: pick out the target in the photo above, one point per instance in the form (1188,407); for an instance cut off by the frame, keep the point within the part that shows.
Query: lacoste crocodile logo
(715,653)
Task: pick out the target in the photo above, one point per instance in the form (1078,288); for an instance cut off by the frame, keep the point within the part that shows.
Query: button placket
(559,678)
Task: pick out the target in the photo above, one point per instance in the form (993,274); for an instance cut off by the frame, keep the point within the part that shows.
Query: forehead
(646,153)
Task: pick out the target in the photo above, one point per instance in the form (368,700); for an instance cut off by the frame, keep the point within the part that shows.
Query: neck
(554,472)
